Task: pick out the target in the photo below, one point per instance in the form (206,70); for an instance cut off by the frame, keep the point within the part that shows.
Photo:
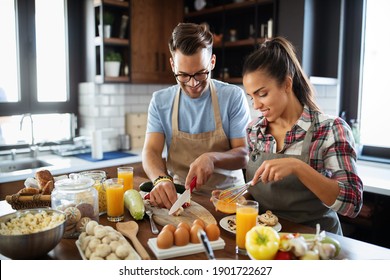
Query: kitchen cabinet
(116,39)
(237,27)
(152,22)
(144,45)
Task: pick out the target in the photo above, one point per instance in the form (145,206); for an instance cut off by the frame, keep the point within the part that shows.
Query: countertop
(375,176)
(68,164)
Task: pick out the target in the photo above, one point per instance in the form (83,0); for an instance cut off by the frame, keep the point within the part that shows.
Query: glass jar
(98,176)
(77,197)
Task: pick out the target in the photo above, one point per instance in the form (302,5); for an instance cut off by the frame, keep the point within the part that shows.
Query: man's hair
(189,38)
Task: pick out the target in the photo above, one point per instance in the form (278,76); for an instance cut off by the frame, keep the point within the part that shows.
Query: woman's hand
(276,169)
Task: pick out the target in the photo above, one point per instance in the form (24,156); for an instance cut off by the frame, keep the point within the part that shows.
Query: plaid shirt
(332,153)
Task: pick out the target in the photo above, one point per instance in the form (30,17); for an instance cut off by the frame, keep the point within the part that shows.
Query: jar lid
(75,182)
(94,174)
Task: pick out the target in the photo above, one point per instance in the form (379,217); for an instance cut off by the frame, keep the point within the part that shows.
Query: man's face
(193,72)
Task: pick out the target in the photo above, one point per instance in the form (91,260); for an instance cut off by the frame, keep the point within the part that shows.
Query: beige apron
(289,198)
(186,147)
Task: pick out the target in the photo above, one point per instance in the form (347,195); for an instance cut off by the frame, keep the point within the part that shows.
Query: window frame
(351,82)
(26,50)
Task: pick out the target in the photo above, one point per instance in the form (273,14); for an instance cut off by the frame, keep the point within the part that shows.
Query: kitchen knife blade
(183,198)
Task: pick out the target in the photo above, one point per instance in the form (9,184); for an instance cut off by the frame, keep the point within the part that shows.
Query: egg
(194,233)
(184,225)
(212,232)
(181,236)
(169,227)
(165,239)
(200,223)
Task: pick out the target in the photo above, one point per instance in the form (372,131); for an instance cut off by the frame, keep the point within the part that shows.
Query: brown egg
(199,222)
(181,236)
(165,239)
(194,233)
(212,232)
(184,225)
(169,227)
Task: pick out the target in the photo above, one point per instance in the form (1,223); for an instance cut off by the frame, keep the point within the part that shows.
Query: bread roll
(28,191)
(45,181)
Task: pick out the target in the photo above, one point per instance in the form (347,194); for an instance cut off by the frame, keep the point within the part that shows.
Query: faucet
(33,148)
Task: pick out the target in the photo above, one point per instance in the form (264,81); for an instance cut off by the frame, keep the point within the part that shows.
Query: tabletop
(350,248)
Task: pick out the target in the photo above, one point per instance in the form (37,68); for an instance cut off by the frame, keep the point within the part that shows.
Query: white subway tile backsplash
(117,100)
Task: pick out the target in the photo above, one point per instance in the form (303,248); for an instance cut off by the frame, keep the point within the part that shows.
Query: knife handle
(193,184)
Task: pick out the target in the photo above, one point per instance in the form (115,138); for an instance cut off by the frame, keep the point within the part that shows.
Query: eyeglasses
(185,78)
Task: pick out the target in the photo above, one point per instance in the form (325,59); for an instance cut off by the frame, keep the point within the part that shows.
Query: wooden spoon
(130,230)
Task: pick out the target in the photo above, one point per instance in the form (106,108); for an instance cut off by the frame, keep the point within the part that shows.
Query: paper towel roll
(97,145)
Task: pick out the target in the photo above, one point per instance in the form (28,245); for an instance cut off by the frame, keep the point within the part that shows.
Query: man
(200,120)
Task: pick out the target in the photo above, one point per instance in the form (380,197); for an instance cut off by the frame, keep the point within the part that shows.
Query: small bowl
(224,206)
(32,245)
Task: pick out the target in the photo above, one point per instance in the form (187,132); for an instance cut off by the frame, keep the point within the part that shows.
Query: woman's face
(199,63)
(266,95)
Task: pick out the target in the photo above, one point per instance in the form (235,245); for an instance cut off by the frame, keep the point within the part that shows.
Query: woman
(303,162)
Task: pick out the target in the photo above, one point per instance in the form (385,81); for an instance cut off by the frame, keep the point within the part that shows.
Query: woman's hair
(188,38)
(278,59)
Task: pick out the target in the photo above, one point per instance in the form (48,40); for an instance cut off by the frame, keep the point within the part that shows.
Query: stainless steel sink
(21,164)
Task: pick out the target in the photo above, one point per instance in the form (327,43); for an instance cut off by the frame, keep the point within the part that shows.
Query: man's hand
(202,168)
(163,195)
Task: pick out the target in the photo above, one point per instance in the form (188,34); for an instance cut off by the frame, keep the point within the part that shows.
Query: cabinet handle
(157,61)
(163,62)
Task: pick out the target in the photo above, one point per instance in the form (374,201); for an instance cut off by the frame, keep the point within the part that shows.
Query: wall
(104,106)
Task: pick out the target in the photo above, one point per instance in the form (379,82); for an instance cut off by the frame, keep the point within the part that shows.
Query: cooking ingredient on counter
(31,222)
(223,205)
(184,234)
(194,233)
(77,197)
(309,246)
(268,218)
(31,233)
(165,239)
(169,227)
(100,242)
(134,203)
(181,236)
(99,176)
(212,232)
(262,242)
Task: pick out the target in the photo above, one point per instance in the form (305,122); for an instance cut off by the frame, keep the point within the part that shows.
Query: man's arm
(164,193)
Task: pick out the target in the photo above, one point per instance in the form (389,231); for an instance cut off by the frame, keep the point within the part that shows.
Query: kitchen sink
(21,164)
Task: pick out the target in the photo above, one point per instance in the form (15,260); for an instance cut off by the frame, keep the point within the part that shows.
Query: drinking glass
(115,201)
(126,173)
(246,217)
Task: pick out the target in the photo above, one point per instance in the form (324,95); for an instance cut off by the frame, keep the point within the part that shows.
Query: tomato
(262,242)
(280,255)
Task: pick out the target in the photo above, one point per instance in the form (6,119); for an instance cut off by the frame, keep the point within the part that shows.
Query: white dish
(225,225)
(177,251)
(134,253)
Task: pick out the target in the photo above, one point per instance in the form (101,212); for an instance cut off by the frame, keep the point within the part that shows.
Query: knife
(183,198)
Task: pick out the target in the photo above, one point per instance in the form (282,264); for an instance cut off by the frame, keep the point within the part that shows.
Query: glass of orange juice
(246,218)
(126,173)
(115,202)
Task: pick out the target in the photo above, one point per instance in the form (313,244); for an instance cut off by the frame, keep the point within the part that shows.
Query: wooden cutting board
(191,213)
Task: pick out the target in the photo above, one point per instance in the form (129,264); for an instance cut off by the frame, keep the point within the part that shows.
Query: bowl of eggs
(31,233)
(224,206)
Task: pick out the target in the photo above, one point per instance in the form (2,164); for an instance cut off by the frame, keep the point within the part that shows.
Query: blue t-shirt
(196,115)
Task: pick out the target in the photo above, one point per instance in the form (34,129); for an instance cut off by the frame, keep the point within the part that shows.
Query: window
(375,95)
(34,70)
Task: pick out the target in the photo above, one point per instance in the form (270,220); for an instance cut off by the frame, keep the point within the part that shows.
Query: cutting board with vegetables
(190,214)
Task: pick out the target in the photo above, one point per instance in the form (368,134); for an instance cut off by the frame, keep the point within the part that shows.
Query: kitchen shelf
(245,20)
(112,41)
(116,3)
